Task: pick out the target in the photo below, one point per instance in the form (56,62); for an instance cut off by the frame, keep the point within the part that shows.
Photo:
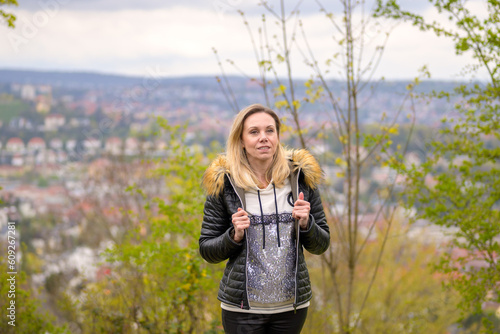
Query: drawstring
(262,219)
(277,217)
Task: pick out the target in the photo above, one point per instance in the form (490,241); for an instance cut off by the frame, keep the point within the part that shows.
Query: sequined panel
(271,276)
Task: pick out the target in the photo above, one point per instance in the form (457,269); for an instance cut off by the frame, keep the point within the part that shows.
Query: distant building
(92,145)
(54,122)
(113,146)
(15,145)
(70,144)
(28,92)
(56,144)
(17,160)
(43,104)
(131,146)
(36,143)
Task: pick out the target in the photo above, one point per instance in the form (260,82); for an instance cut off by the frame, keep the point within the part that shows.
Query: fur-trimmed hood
(213,179)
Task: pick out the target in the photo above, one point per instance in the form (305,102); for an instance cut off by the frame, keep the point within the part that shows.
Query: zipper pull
(242,304)
(294,308)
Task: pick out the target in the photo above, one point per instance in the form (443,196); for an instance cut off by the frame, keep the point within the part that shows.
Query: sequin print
(271,270)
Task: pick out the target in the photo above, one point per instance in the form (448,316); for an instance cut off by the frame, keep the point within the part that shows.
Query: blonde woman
(262,208)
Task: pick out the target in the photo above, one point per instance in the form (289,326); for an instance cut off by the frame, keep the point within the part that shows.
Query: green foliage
(470,32)
(9,18)
(465,195)
(157,282)
(407,296)
(28,315)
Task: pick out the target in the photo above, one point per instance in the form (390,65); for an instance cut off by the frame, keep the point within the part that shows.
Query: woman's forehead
(259,120)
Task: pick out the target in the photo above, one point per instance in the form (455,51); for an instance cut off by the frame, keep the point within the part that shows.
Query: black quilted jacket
(216,244)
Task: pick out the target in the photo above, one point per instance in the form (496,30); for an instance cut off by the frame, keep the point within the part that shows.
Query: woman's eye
(270,130)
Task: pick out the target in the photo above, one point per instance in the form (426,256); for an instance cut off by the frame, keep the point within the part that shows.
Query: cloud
(93,40)
(106,5)
(120,5)
(179,40)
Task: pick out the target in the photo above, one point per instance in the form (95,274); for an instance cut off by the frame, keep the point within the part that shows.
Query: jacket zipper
(297,251)
(246,252)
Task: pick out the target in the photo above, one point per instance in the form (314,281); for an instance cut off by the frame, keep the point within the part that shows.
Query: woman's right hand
(240,222)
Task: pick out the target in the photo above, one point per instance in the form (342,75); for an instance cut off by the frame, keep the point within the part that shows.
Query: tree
(153,279)
(408,298)
(341,104)
(8,17)
(465,196)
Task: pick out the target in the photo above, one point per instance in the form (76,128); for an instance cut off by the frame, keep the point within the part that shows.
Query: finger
(240,213)
(239,220)
(301,213)
(305,211)
(300,200)
(243,220)
(302,209)
(302,205)
(242,225)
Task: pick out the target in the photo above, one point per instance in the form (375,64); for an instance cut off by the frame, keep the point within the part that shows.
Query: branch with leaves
(9,18)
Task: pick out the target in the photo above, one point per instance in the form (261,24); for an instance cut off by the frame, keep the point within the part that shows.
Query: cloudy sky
(176,38)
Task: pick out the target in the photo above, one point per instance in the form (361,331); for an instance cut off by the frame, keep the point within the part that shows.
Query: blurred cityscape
(71,143)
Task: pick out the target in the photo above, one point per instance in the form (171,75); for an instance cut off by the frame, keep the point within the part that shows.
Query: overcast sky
(176,38)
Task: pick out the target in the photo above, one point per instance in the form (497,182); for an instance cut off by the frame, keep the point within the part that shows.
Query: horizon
(204,76)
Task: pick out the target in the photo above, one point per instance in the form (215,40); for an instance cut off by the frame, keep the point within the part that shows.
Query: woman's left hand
(301,211)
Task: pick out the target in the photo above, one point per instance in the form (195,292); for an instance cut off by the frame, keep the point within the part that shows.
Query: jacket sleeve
(216,243)
(316,239)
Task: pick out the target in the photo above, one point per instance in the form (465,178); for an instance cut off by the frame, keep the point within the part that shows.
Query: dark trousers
(279,323)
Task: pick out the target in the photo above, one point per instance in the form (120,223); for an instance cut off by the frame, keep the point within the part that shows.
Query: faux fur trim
(313,175)
(213,178)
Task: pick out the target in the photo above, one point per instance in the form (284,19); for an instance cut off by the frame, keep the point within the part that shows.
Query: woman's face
(260,138)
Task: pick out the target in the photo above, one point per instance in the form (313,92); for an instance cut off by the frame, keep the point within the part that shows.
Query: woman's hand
(240,222)
(301,211)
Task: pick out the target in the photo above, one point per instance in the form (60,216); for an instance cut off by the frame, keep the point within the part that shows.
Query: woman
(262,209)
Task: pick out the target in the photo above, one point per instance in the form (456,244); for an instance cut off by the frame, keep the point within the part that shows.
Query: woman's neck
(260,170)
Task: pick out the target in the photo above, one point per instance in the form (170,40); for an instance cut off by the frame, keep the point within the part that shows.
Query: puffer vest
(217,245)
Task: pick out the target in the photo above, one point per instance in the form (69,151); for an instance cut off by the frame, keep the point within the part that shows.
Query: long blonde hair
(239,166)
